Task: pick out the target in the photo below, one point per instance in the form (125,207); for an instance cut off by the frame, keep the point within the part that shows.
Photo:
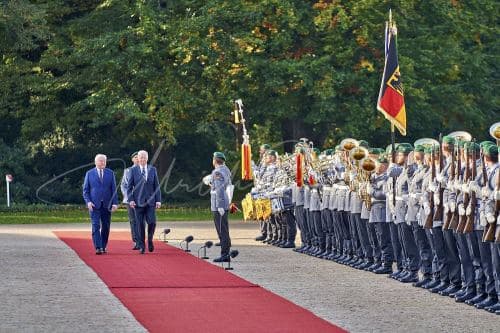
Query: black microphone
(164,234)
(233,254)
(188,240)
(207,245)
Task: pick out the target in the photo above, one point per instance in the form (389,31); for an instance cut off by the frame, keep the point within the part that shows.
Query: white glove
(427,209)
(453,206)
(490,218)
(468,211)
(405,197)
(406,217)
(461,210)
(436,199)
(432,187)
(445,208)
(465,188)
(485,192)
(482,220)
(208,179)
(221,211)
(369,188)
(439,178)
(473,186)
(418,216)
(457,186)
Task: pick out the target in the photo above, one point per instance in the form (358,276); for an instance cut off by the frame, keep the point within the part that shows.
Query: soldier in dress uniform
(258,170)
(378,215)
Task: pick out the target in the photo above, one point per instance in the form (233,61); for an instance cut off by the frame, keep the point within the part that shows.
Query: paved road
(35,264)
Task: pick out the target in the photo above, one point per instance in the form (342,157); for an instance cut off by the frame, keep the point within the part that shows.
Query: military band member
(258,171)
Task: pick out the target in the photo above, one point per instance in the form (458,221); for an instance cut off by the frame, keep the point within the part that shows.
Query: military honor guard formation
(425,214)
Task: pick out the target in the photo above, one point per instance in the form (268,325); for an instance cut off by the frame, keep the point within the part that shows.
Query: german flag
(391,100)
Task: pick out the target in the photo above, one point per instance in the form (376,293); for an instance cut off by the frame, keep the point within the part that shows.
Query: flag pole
(393,160)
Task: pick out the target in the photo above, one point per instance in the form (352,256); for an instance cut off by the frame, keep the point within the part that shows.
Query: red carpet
(173,291)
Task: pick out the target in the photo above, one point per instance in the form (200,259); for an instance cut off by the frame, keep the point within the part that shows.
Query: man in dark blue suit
(143,191)
(99,193)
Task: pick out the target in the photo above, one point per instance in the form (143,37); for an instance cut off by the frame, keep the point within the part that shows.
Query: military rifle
(469,224)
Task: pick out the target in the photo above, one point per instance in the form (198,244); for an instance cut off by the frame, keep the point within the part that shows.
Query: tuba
(495,131)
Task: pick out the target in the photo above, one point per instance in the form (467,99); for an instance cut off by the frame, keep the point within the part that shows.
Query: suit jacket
(144,192)
(100,193)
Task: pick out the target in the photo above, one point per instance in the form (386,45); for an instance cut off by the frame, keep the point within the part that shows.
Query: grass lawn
(76,215)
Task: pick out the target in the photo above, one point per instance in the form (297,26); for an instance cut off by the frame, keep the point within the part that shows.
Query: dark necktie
(143,172)
(100,174)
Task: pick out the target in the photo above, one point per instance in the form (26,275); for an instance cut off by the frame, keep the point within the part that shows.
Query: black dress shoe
(460,292)
(451,289)
(383,270)
(465,297)
(98,251)
(151,246)
(477,299)
(494,308)
(489,301)
(135,247)
(104,251)
(222,259)
(431,284)
(410,278)
(439,287)
(260,238)
(373,267)
(421,283)
(141,251)
(289,245)
(402,275)
(217,244)
(396,274)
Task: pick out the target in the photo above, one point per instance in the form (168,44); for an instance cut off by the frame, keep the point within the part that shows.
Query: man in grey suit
(219,202)
(143,192)
(130,210)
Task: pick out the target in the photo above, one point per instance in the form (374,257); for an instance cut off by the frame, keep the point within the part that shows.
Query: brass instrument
(347,145)
(356,154)
(367,167)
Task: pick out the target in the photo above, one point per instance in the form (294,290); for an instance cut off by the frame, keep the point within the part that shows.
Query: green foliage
(88,76)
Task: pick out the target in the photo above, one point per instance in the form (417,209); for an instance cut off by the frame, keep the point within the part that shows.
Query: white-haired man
(99,193)
(143,192)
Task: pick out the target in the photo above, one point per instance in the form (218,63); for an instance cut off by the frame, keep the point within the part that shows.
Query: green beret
(265,146)
(220,155)
(428,150)
(461,143)
(134,154)
(363,143)
(486,143)
(272,153)
(472,146)
(448,140)
(383,159)
(490,150)
(373,151)
(403,148)
(419,149)
(317,151)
